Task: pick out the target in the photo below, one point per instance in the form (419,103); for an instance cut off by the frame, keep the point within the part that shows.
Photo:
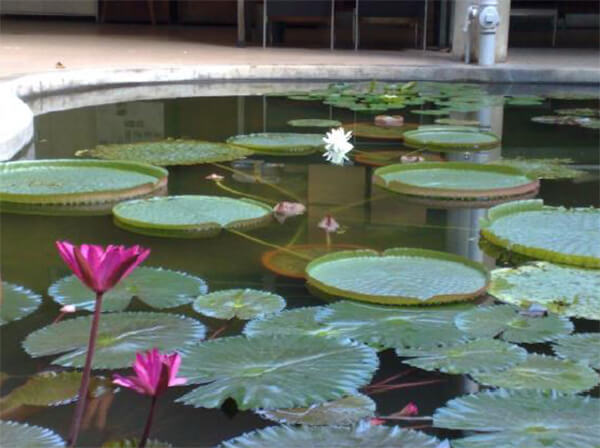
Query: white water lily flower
(337,145)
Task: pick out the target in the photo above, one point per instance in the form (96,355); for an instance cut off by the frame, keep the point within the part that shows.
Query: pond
(369,217)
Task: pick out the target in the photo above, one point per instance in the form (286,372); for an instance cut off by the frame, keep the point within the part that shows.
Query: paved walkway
(31,46)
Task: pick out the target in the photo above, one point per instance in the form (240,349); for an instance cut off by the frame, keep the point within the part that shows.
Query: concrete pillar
(459,11)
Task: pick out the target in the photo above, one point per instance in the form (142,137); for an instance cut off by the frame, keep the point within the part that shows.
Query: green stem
(264,243)
(240,193)
(146,433)
(85,377)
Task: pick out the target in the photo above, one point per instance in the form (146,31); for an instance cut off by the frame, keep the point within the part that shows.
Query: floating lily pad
(451,139)
(506,322)
(580,347)
(298,321)
(579,112)
(398,276)
(572,96)
(592,123)
(383,158)
(561,120)
(542,373)
(73,182)
(515,101)
(13,434)
(569,236)
(16,302)
(274,372)
(156,287)
(473,356)
(370,130)
(190,216)
(280,143)
(520,419)
(361,436)
(343,412)
(169,152)
(542,168)
(456,180)
(314,123)
(283,262)
(561,289)
(240,303)
(393,326)
(456,122)
(433,112)
(120,336)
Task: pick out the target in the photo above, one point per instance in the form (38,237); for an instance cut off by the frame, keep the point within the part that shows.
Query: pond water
(369,217)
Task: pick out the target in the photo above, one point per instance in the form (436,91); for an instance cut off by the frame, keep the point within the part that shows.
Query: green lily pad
(569,236)
(396,327)
(455,180)
(561,289)
(169,152)
(579,112)
(13,434)
(190,216)
(120,336)
(298,321)
(383,158)
(561,120)
(580,347)
(523,102)
(506,322)
(156,287)
(398,276)
(451,139)
(370,130)
(469,357)
(274,372)
(456,122)
(360,436)
(280,143)
(591,123)
(16,302)
(542,373)
(542,168)
(342,412)
(522,419)
(433,112)
(239,303)
(572,96)
(314,123)
(73,182)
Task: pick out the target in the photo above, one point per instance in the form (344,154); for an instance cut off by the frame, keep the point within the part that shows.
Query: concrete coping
(60,90)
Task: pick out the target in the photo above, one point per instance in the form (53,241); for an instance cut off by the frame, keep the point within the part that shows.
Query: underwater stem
(240,193)
(85,376)
(264,243)
(146,433)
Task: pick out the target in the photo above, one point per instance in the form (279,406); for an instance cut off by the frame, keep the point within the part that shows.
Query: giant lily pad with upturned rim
(13,434)
(190,216)
(564,290)
(274,372)
(71,181)
(156,287)
(279,143)
(438,138)
(169,152)
(455,180)
(120,337)
(240,303)
(363,435)
(401,276)
(17,302)
(557,234)
(519,419)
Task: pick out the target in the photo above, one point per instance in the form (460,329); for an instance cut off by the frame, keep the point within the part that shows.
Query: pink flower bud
(68,309)
(214,176)
(329,224)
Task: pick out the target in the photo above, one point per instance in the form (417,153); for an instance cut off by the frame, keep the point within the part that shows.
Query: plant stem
(264,243)
(85,377)
(146,433)
(240,193)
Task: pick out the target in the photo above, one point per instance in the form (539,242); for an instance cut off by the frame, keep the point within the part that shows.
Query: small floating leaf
(508,323)
(569,236)
(561,289)
(438,138)
(190,216)
(542,373)
(363,435)
(520,419)
(120,336)
(419,276)
(434,112)
(299,321)
(280,143)
(580,347)
(342,412)
(579,112)
(17,302)
(240,303)
(156,287)
(314,123)
(169,152)
(274,372)
(542,168)
(468,357)
(13,434)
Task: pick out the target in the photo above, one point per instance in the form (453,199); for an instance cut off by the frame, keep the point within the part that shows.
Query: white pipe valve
(489,19)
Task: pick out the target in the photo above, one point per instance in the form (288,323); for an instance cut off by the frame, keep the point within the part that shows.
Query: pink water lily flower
(408,411)
(99,268)
(329,224)
(154,373)
(285,209)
